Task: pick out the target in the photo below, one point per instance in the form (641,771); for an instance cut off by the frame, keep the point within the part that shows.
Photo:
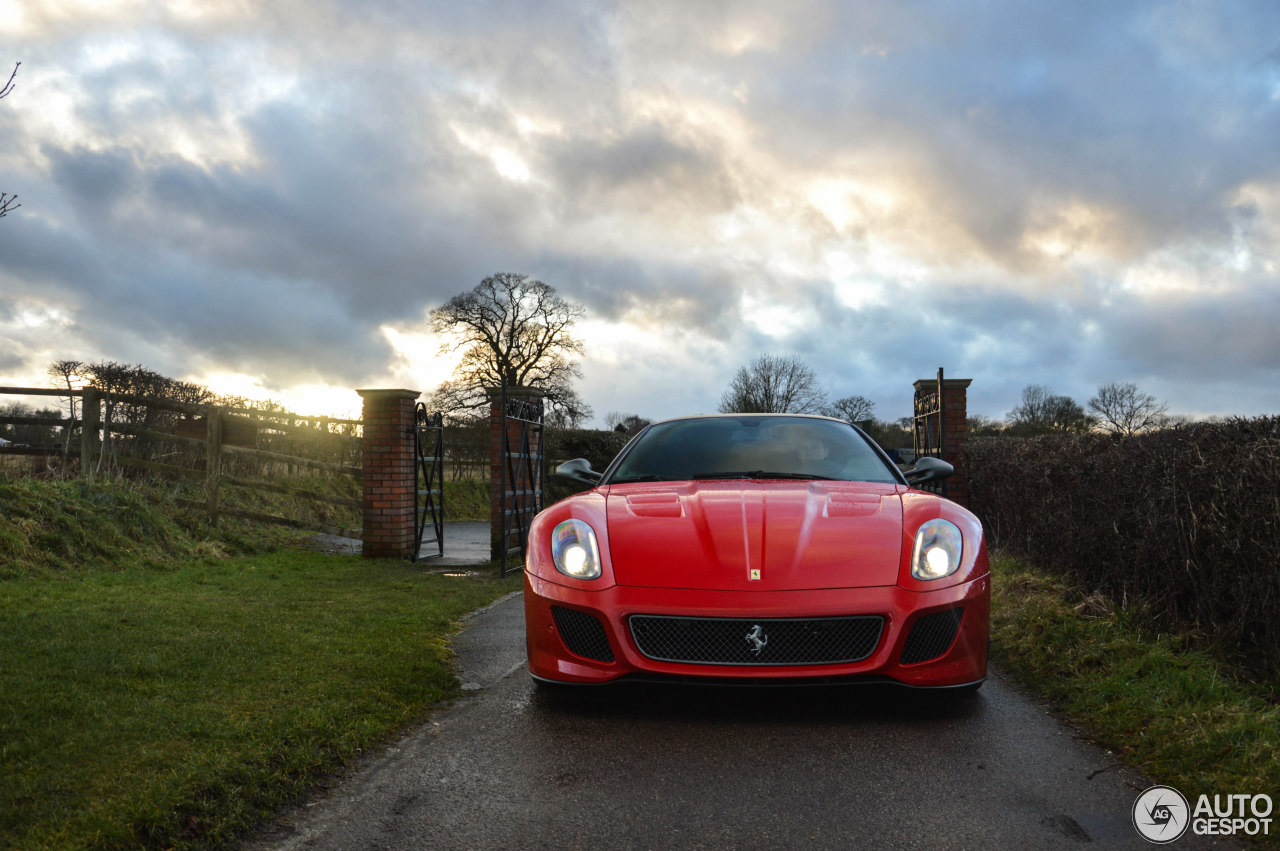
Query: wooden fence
(220,446)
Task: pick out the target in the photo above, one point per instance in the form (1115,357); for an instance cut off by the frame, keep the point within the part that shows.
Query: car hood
(714,535)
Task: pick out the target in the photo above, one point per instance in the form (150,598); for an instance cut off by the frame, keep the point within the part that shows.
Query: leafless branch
(7,200)
(8,87)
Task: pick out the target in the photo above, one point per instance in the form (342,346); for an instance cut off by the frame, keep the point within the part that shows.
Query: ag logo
(1161,814)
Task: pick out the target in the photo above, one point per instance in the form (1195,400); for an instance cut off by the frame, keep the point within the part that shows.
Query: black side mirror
(578,470)
(928,469)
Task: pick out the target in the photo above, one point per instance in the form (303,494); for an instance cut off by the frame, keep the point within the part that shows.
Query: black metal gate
(929,436)
(521,477)
(428,446)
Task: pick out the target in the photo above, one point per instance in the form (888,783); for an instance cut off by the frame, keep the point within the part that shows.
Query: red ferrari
(759,548)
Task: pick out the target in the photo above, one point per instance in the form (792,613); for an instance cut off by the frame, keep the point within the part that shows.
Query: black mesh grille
(931,636)
(583,634)
(769,641)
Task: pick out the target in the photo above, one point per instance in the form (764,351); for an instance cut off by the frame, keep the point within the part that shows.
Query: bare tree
(71,375)
(853,409)
(1125,410)
(892,435)
(515,329)
(628,424)
(455,400)
(1043,412)
(567,410)
(115,380)
(771,384)
(7,200)
(979,425)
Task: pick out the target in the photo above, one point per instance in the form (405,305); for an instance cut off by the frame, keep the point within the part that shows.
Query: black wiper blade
(647,477)
(761,474)
(809,476)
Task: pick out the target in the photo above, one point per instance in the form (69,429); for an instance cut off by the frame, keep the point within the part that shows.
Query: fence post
(389,473)
(213,461)
(90,423)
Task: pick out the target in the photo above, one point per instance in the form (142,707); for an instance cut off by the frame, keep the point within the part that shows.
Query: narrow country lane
(508,766)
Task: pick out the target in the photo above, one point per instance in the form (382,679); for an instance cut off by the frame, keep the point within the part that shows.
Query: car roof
(751,414)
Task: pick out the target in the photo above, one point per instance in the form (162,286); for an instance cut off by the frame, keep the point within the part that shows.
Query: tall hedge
(1185,520)
(598,447)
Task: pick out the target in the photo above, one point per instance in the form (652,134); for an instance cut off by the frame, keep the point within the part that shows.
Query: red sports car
(757,547)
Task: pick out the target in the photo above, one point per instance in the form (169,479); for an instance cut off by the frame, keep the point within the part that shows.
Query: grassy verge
(69,527)
(165,683)
(1171,711)
(174,707)
(466,499)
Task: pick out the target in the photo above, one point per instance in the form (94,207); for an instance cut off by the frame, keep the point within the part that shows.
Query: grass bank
(175,706)
(466,499)
(1174,712)
(64,528)
(166,684)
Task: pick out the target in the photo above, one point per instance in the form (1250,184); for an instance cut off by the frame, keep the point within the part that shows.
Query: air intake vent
(583,634)
(931,636)
(766,641)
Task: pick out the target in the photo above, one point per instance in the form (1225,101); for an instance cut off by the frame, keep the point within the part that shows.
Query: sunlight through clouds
(505,161)
(304,399)
(276,195)
(1074,232)
(419,361)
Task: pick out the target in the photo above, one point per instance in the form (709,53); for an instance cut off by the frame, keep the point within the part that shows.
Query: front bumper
(961,661)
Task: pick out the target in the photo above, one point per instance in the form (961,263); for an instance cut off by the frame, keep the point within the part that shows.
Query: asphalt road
(508,766)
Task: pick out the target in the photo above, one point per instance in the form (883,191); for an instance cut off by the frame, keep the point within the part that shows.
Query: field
(158,688)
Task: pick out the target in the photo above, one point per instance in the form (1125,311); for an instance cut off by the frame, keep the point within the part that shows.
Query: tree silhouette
(514,329)
(1043,411)
(774,384)
(1124,409)
(853,409)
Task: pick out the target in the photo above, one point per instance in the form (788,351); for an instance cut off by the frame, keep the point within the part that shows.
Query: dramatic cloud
(277,194)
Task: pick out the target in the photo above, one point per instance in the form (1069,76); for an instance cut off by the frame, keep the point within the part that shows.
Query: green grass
(175,706)
(1174,712)
(466,499)
(166,683)
(67,527)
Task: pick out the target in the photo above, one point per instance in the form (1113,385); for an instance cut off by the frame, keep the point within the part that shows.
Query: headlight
(574,550)
(937,550)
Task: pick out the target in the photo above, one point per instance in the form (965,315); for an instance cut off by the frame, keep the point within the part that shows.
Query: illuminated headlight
(574,550)
(937,550)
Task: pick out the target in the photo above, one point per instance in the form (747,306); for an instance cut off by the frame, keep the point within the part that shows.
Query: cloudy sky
(269,198)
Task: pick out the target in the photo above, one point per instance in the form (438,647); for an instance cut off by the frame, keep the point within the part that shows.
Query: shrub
(1184,521)
(598,447)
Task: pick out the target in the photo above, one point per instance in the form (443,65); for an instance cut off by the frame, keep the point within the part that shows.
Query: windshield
(751,447)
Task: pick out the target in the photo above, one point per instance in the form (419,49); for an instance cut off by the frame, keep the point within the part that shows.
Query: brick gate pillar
(955,430)
(390,483)
(497,499)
